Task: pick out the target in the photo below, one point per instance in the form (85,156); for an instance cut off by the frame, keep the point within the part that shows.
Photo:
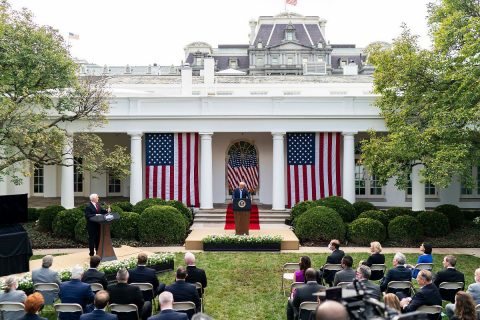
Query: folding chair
(305,309)
(296,285)
(12,309)
(49,291)
(287,273)
(67,308)
(96,287)
(431,310)
(344,284)
(378,271)
(199,287)
(477,308)
(331,267)
(146,287)
(449,289)
(424,266)
(400,286)
(185,306)
(124,308)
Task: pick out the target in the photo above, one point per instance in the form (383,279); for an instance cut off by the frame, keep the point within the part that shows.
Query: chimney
(253,27)
(208,71)
(186,80)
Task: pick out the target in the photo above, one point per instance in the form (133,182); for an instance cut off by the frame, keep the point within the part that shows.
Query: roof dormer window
(290,33)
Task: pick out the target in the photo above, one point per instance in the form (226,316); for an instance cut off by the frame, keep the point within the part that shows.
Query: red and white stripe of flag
(291,2)
(320,180)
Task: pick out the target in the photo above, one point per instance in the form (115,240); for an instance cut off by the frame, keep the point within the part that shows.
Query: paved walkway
(470,251)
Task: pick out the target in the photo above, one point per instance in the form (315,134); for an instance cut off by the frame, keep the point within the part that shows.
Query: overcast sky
(142,32)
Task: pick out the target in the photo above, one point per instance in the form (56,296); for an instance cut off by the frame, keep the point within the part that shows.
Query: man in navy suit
(334,258)
(75,291)
(428,295)
(195,274)
(449,274)
(166,305)
(241,192)
(398,273)
(142,274)
(93,228)
(100,302)
(184,291)
(92,275)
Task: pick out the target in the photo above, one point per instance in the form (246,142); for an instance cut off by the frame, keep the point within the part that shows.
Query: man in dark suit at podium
(93,228)
(241,192)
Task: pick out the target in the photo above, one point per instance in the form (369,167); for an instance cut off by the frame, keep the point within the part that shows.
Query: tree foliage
(41,97)
(429,98)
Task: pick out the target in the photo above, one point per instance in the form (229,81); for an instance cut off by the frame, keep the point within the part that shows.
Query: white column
(66,194)
(348,181)
(278,170)
(136,177)
(418,189)
(206,174)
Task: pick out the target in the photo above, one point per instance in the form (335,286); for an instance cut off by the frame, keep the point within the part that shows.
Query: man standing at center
(93,228)
(241,192)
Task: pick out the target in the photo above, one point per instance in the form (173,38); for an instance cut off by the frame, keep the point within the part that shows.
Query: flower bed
(242,243)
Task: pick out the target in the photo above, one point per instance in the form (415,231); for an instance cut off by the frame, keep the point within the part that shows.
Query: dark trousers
(93,237)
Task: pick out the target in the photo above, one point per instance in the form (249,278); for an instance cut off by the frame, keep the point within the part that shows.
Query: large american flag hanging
(172,167)
(313,169)
(243,168)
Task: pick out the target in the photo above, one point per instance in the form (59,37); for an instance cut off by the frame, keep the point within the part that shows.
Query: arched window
(242,165)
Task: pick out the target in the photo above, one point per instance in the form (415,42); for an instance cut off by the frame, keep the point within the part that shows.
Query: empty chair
(51,289)
(124,308)
(403,286)
(198,285)
(67,308)
(12,310)
(306,308)
(424,266)
(287,272)
(431,310)
(378,271)
(344,284)
(187,307)
(96,286)
(449,289)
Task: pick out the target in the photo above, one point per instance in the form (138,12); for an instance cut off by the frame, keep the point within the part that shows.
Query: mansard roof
(271,35)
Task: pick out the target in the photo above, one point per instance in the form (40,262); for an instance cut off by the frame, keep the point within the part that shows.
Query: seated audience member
(101,301)
(195,274)
(183,291)
(11,294)
(347,274)
(334,258)
(124,293)
(363,274)
(304,293)
(427,295)
(143,274)
(92,275)
(166,306)
(473,290)
(392,303)
(464,307)
(425,257)
(304,264)
(397,273)
(449,274)
(331,310)
(376,257)
(46,275)
(33,305)
(75,291)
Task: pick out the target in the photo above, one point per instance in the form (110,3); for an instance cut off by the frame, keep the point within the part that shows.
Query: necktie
(96,207)
(240,193)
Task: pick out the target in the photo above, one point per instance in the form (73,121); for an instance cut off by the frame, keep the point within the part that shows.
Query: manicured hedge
(435,224)
(362,206)
(81,233)
(124,205)
(33,214)
(342,206)
(469,215)
(65,221)
(365,230)
(145,203)
(320,224)
(162,224)
(453,213)
(47,215)
(114,208)
(405,229)
(182,209)
(127,226)
(300,208)
(394,212)
(376,215)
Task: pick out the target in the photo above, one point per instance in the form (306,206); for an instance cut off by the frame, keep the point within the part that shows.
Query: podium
(105,248)
(241,213)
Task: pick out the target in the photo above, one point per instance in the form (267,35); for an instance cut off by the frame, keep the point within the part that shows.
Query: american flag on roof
(172,167)
(291,2)
(73,36)
(313,168)
(243,167)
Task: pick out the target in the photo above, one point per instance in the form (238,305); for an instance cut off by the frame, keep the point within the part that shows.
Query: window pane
(375,187)
(359,179)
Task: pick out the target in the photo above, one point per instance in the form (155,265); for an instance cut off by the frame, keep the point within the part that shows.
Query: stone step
(216,221)
(261,215)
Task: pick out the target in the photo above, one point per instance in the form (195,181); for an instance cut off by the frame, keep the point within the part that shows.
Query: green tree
(429,99)
(41,96)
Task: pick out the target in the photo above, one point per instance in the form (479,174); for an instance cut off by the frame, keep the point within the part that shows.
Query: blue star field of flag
(159,149)
(301,148)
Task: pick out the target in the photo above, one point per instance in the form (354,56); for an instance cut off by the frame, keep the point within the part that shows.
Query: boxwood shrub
(365,230)
(376,215)
(162,224)
(405,229)
(145,203)
(47,215)
(300,208)
(81,233)
(82,207)
(435,224)
(127,226)
(33,214)
(362,206)
(125,205)
(469,215)
(342,206)
(114,208)
(65,221)
(394,212)
(320,224)
(182,208)
(453,213)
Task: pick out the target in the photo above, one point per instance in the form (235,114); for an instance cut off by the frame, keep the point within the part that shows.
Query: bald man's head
(331,310)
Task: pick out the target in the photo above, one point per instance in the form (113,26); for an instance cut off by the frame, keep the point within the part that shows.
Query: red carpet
(254,218)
